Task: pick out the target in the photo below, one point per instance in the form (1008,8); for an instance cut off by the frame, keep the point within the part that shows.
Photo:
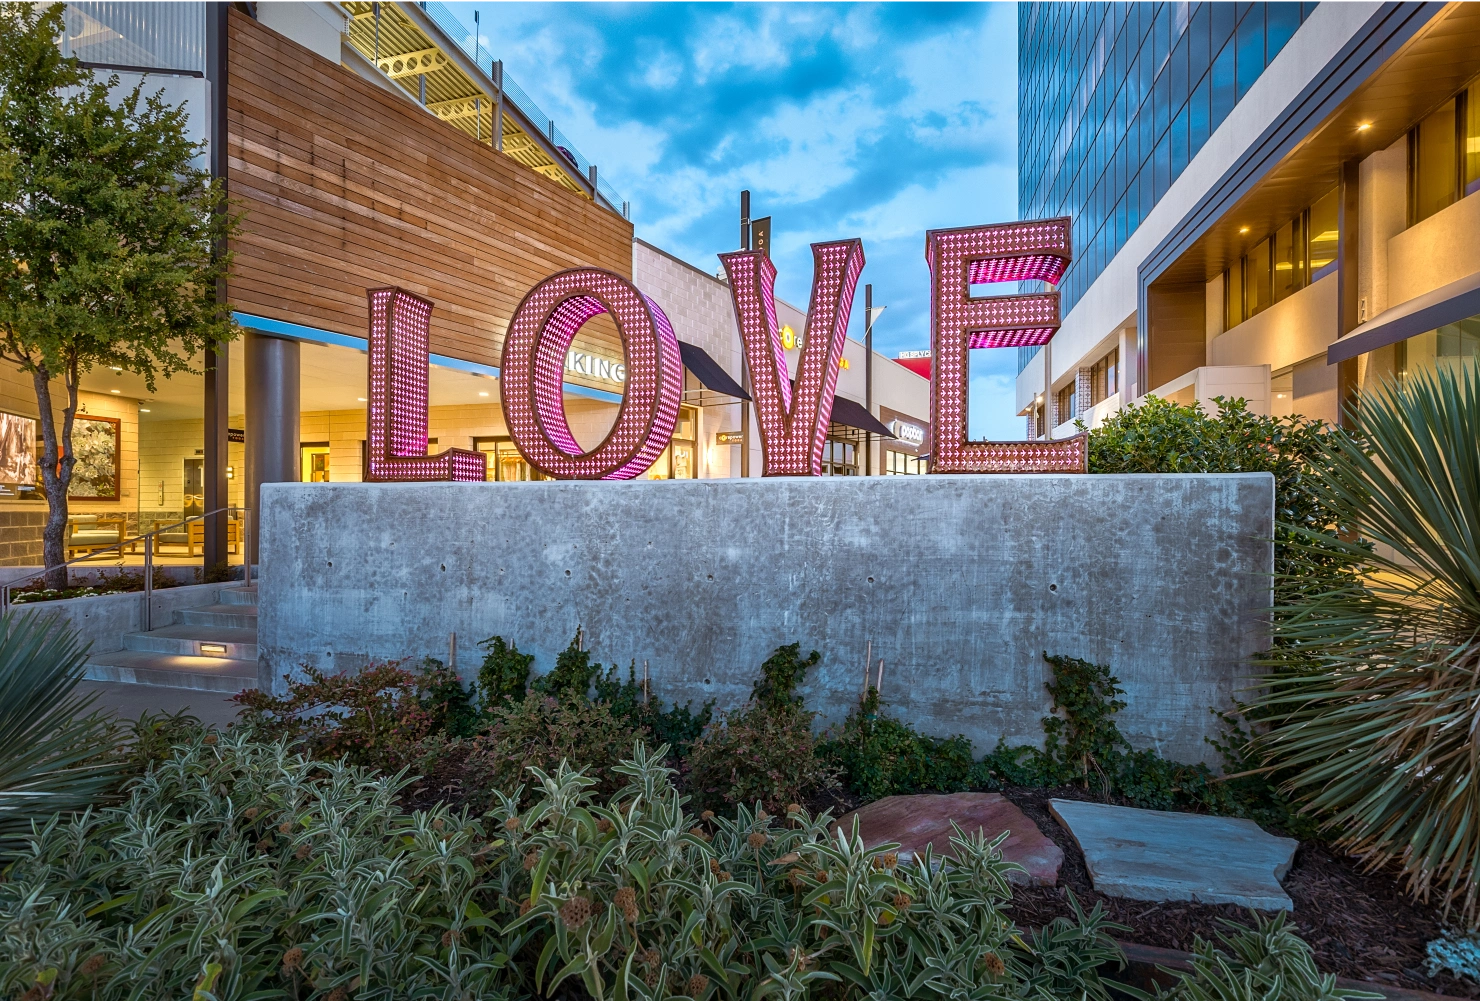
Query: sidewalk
(132,701)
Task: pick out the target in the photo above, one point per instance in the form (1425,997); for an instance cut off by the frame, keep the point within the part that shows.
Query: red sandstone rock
(917,821)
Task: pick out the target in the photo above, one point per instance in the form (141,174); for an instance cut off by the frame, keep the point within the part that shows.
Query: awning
(708,371)
(852,415)
(1446,304)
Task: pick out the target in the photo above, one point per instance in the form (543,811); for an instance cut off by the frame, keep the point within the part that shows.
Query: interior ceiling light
(143,410)
(115,368)
(360,398)
(482,393)
(1364,126)
(115,390)
(1243,229)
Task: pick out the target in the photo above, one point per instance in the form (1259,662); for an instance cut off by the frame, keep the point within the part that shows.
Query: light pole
(869,312)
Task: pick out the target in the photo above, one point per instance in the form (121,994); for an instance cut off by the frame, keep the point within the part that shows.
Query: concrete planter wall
(960,583)
(103,619)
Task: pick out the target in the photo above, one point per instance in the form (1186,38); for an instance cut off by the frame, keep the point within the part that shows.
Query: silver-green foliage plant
(1378,733)
(1268,962)
(52,756)
(239,869)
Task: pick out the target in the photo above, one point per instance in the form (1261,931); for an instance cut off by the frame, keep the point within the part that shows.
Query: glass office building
(1114,100)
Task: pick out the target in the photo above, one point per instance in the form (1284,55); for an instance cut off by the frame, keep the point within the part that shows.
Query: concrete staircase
(212,648)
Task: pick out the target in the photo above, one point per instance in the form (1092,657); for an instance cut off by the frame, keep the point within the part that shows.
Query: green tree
(111,238)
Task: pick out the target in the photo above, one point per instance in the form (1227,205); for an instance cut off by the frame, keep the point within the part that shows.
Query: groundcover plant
(236,868)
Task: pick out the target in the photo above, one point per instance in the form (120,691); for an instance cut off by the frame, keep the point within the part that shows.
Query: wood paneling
(347,187)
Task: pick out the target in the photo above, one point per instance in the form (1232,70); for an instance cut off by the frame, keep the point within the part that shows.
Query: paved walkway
(132,701)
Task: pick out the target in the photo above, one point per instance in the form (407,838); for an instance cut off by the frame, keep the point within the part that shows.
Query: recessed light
(115,368)
(1243,229)
(360,398)
(115,390)
(1364,126)
(482,393)
(213,649)
(143,410)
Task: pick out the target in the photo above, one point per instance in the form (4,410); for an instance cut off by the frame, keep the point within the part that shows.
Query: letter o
(532,376)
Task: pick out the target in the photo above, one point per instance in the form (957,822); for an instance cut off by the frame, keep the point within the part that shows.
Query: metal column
(272,419)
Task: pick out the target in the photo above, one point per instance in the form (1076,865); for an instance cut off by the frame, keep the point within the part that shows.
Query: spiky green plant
(1268,962)
(50,752)
(1378,732)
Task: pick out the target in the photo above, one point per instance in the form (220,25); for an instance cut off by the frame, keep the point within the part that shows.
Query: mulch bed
(1362,926)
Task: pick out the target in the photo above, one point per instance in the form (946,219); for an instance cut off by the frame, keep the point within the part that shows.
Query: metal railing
(450,23)
(149,542)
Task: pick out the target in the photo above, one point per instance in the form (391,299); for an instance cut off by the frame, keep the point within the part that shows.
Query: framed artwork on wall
(19,459)
(95,446)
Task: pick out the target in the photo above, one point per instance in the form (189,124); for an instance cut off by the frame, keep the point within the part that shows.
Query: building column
(217,375)
(272,419)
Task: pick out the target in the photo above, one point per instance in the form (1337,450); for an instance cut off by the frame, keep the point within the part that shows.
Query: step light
(213,649)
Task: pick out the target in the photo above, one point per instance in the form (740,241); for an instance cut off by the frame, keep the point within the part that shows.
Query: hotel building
(1270,201)
(373,144)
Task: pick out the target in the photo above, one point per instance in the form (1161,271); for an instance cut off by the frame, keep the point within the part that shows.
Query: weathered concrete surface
(917,821)
(959,582)
(1151,855)
(103,619)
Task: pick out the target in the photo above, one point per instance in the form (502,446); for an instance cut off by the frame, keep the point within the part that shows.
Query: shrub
(541,731)
(1379,737)
(504,674)
(1158,436)
(878,755)
(1266,961)
(379,716)
(52,757)
(677,727)
(239,869)
(765,752)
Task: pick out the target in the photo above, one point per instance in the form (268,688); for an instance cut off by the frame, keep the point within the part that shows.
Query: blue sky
(843,120)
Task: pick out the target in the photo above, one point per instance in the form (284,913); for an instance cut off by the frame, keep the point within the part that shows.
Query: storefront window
(677,460)
(839,458)
(1289,260)
(314,457)
(1322,228)
(505,464)
(1102,377)
(1471,151)
(1257,280)
(1065,403)
(1433,166)
(902,464)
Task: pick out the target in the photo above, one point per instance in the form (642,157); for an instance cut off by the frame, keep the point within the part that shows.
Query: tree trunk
(56,472)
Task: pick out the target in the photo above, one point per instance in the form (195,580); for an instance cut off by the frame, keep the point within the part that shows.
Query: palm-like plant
(51,755)
(1380,733)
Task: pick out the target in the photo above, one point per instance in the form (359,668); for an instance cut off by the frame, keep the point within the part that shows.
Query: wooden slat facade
(347,187)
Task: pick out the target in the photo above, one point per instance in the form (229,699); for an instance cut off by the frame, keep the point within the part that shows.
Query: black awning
(1447,304)
(708,371)
(852,415)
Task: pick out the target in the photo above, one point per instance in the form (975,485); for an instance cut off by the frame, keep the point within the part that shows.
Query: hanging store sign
(793,415)
(729,438)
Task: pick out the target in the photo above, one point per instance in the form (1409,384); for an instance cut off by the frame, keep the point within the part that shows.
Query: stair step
(196,641)
(209,674)
(237,595)
(225,616)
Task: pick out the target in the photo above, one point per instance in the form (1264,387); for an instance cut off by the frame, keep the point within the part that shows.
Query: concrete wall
(102,620)
(960,583)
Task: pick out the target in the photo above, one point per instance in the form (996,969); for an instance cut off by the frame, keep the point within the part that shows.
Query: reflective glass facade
(1114,100)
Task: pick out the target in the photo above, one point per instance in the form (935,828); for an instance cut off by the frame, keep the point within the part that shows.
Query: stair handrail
(148,539)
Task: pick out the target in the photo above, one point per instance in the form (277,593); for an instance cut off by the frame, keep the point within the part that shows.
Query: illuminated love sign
(794,422)
(958,259)
(533,368)
(793,414)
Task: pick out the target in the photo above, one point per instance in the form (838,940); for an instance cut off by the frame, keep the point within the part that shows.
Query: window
(1064,404)
(313,457)
(1321,240)
(902,464)
(1289,259)
(1459,340)
(677,460)
(1258,282)
(1103,377)
(505,464)
(839,458)
(1233,295)
(1471,151)
(1433,164)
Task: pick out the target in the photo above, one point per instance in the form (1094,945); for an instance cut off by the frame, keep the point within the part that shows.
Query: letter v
(793,419)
